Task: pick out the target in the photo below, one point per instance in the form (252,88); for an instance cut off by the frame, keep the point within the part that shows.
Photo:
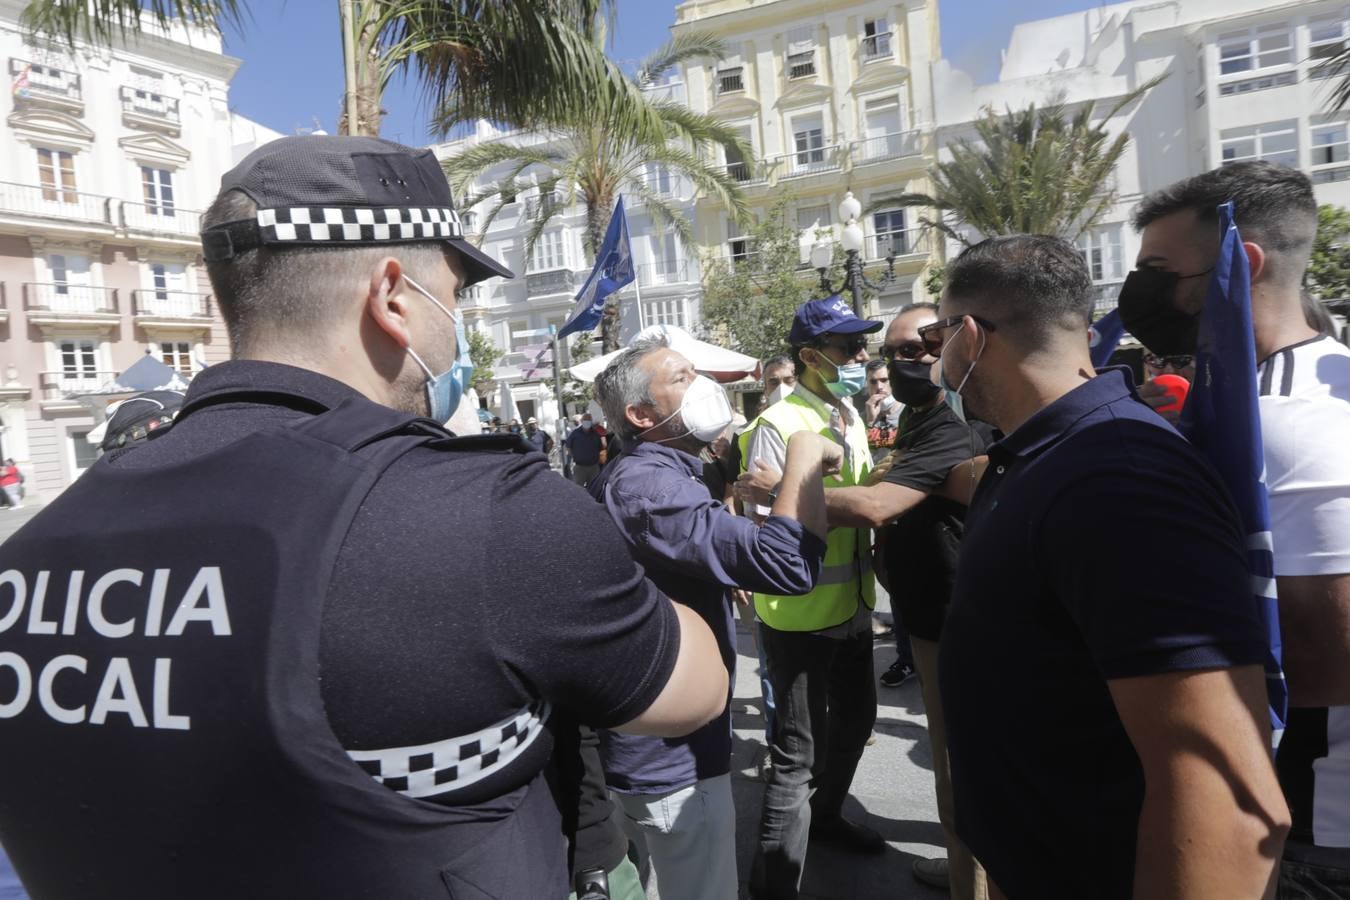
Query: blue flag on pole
(1223,420)
(1106,334)
(613,269)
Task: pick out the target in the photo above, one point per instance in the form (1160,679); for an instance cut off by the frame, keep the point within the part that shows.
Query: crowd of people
(311,682)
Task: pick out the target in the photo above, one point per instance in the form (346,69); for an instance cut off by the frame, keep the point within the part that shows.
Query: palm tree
(597,155)
(505,60)
(1029,171)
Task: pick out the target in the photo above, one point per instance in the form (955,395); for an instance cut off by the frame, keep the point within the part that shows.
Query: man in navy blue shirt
(677,793)
(1103,562)
(584,443)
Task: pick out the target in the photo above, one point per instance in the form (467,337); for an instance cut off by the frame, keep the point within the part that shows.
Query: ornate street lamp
(851,238)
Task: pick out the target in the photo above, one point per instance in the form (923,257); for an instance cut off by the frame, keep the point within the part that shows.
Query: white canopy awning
(716,362)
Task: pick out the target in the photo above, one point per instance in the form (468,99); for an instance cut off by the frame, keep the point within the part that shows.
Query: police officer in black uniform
(287,650)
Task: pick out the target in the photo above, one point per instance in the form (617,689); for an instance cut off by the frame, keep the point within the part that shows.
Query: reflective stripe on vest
(846,574)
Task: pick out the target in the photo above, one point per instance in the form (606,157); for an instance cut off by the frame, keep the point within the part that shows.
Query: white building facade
(109,156)
(517,314)
(1244,81)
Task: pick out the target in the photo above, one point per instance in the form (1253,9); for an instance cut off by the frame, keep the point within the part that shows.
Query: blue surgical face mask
(849,379)
(444,391)
(953,394)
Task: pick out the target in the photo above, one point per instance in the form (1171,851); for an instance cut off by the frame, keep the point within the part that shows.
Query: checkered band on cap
(356,224)
(454,763)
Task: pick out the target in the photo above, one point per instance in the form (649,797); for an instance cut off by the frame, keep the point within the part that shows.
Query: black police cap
(326,190)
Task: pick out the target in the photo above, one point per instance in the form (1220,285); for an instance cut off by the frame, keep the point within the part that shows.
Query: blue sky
(291,75)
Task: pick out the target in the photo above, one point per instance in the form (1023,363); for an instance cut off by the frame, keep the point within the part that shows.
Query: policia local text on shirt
(266,654)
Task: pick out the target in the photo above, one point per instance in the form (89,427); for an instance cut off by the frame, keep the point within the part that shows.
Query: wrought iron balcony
(551,281)
(895,145)
(152,303)
(143,107)
(73,382)
(912,242)
(66,299)
(41,83)
(807,162)
(162,218)
(55,202)
(876,46)
(655,274)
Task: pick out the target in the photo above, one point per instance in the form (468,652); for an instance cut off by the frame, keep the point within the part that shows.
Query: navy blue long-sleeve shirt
(693,550)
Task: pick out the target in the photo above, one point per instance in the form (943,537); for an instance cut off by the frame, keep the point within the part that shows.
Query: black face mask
(910,382)
(1148,311)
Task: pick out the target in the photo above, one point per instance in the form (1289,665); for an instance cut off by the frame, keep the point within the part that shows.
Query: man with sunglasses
(818,646)
(1104,562)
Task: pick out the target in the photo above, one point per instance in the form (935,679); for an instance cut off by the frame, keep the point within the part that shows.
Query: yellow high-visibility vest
(846,574)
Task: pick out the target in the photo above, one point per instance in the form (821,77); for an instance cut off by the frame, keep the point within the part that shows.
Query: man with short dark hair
(780,377)
(308,682)
(585,443)
(677,793)
(1140,765)
(1304,384)
(537,438)
(818,646)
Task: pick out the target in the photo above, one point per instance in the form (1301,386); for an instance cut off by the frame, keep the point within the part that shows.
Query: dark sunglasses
(909,350)
(931,335)
(1162,362)
(851,344)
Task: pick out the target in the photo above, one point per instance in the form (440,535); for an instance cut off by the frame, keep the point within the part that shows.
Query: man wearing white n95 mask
(676,794)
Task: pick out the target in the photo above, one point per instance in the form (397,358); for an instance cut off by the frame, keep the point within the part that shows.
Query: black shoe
(897,674)
(840,832)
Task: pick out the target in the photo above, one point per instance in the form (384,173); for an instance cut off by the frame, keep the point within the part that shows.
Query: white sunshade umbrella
(508,404)
(716,362)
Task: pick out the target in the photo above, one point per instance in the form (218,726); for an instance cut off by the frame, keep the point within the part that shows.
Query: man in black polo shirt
(1103,562)
(310,682)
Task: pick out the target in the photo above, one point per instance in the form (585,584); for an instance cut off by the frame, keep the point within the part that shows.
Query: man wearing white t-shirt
(1304,381)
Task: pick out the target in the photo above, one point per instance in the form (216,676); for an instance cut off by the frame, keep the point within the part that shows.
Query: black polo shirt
(469,586)
(923,545)
(1099,545)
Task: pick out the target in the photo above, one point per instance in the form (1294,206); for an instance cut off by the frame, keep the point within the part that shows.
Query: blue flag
(613,269)
(1106,334)
(1223,420)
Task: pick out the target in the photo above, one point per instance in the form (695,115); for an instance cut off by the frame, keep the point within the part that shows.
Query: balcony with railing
(1105,297)
(161,218)
(895,145)
(61,300)
(807,162)
(69,383)
(907,244)
(663,272)
(54,202)
(747,172)
(38,83)
(550,281)
(164,307)
(874,47)
(146,109)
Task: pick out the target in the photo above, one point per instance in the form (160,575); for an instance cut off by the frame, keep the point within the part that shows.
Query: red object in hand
(1177,387)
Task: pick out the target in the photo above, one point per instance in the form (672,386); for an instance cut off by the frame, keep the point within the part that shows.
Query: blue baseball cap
(833,315)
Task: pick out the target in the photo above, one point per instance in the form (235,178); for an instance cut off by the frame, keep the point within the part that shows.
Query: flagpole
(637,289)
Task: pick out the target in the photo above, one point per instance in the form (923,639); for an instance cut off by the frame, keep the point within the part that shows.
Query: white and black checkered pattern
(456,762)
(358,224)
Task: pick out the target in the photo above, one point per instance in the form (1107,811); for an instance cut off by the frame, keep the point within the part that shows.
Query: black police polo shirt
(412,651)
(1099,545)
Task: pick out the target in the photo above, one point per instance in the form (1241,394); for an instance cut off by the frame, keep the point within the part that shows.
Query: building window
(809,140)
(160,278)
(1330,152)
(1256,48)
(176,355)
(892,235)
(730,74)
(1102,250)
(1276,142)
(801,52)
(666,256)
(79,364)
(82,453)
(507,190)
(157,186)
(659,180)
(876,40)
(739,247)
(518,337)
(666,312)
(56,263)
(809,218)
(548,252)
(1326,39)
(468,221)
(56,171)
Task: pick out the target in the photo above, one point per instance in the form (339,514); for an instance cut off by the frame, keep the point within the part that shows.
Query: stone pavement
(892,791)
(11,520)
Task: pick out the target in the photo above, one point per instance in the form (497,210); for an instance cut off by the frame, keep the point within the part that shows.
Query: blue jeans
(1315,878)
(765,688)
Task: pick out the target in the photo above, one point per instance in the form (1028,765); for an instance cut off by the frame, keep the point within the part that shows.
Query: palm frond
(680,48)
(100,21)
